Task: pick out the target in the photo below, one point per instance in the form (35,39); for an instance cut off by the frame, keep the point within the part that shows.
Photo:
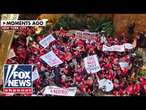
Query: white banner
(92,64)
(53,90)
(85,34)
(47,40)
(128,46)
(117,48)
(93,33)
(51,59)
(35,75)
(78,33)
(106,48)
(11,54)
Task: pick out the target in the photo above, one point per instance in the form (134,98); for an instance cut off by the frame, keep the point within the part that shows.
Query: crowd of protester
(72,73)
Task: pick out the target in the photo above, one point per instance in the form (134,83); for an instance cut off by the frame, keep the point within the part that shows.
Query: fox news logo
(18,78)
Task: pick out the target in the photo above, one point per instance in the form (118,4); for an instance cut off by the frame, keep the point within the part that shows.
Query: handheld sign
(123,64)
(47,40)
(35,75)
(106,85)
(51,59)
(92,64)
(54,90)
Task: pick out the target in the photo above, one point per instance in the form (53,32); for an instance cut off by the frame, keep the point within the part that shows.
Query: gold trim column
(6,40)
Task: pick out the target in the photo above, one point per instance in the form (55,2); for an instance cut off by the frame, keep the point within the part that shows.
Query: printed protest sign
(54,90)
(51,59)
(35,75)
(106,85)
(11,54)
(92,64)
(47,40)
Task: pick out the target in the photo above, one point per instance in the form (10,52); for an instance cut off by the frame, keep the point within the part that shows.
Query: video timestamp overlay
(21,24)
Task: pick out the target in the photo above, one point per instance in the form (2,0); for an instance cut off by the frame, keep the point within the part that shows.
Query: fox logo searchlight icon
(17,78)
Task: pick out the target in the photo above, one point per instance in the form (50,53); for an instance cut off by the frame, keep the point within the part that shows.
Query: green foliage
(92,24)
(81,21)
(139,53)
(33,37)
(141,73)
(66,22)
(106,26)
